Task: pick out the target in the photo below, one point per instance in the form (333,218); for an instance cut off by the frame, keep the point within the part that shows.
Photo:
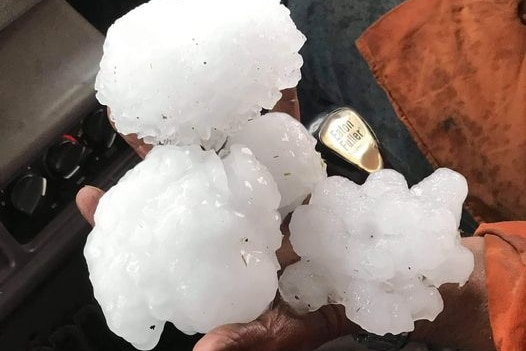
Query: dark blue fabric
(334,73)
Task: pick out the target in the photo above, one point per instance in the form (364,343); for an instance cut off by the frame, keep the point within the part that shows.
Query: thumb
(87,200)
(288,103)
(280,330)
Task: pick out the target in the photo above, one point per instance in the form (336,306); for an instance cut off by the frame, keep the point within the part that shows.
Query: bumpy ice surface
(185,237)
(380,249)
(288,150)
(194,71)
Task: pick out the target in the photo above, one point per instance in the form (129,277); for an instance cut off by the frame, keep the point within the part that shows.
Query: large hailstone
(287,149)
(185,237)
(194,71)
(380,249)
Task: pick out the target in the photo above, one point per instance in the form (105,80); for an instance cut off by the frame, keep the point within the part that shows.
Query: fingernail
(93,188)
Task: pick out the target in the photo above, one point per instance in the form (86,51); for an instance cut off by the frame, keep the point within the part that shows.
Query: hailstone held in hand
(288,150)
(380,249)
(185,237)
(194,71)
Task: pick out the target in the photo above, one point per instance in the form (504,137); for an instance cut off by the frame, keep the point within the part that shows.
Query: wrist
(464,322)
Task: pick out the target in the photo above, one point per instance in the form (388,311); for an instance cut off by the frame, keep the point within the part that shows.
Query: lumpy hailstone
(380,249)
(185,237)
(287,149)
(194,71)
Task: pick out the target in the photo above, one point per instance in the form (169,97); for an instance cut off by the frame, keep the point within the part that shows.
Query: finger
(286,255)
(280,330)
(288,103)
(87,200)
(140,147)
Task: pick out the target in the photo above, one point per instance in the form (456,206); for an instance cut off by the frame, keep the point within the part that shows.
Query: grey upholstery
(10,10)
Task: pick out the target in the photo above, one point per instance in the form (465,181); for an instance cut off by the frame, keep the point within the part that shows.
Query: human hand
(278,329)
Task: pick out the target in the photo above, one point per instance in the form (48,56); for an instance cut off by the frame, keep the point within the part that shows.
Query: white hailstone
(185,237)
(287,149)
(194,71)
(380,249)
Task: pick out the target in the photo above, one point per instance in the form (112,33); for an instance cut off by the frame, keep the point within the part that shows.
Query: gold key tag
(346,133)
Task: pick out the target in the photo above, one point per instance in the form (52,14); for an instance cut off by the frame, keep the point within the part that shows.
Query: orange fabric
(506,282)
(455,71)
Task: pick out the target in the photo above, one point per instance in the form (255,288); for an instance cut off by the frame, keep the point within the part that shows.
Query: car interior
(54,139)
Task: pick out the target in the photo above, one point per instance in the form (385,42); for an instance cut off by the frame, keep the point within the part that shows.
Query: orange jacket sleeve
(455,71)
(506,282)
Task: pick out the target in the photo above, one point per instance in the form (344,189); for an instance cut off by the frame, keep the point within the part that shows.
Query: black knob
(63,160)
(98,131)
(28,192)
